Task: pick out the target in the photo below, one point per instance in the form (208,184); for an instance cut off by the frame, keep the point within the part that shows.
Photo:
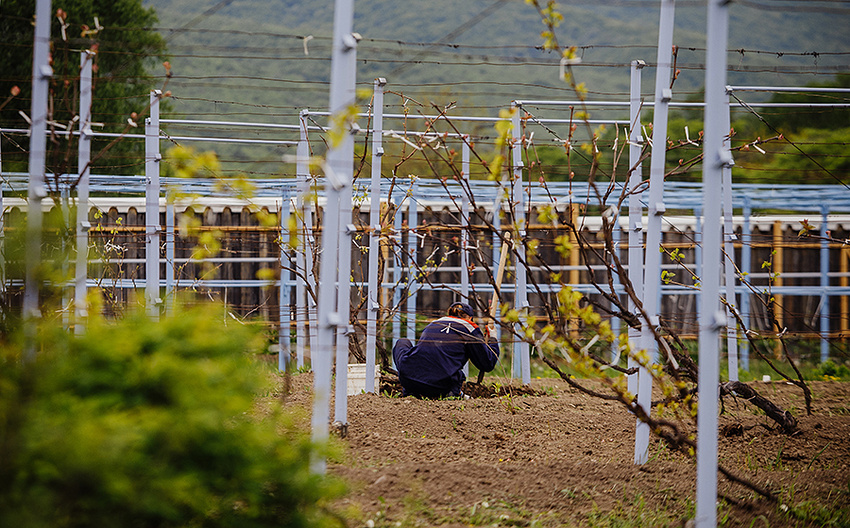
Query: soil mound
(390,386)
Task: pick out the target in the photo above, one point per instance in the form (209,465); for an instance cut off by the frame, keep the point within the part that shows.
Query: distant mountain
(246,58)
(610,34)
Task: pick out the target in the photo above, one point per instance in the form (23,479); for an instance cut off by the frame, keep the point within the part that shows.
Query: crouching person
(434,367)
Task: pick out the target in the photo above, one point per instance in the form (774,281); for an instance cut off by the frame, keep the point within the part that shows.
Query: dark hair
(462,310)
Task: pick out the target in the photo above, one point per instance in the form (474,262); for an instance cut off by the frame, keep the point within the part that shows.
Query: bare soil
(549,455)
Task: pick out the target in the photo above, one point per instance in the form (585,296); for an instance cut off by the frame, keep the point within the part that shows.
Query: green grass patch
(634,511)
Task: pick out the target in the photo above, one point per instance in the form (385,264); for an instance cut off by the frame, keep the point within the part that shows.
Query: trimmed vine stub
(392,387)
(783,418)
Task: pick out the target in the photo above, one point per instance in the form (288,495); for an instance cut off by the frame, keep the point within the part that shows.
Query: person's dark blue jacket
(434,367)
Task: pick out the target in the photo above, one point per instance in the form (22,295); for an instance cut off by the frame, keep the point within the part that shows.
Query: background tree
(813,147)
(126,52)
(797,119)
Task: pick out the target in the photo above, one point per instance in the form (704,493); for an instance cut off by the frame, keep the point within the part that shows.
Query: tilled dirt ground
(553,456)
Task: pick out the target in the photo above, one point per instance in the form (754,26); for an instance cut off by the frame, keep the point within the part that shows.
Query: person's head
(461,310)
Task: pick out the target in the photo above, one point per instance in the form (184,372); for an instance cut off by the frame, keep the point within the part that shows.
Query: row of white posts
(304,257)
(340,171)
(331,340)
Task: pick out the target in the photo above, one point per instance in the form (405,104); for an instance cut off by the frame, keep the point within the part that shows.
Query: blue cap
(457,307)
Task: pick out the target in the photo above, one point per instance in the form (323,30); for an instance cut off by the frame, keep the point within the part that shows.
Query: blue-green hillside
(265,61)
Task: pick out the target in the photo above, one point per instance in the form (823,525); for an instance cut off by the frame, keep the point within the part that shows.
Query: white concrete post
(616,238)
(303,253)
(338,173)
(83,170)
(398,251)
(652,277)
(374,293)
(712,319)
(464,213)
(729,248)
(412,255)
(464,233)
(284,325)
(65,208)
(152,225)
(521,348)
(698,220)
(746,264)
(308,241)
(516,368)
(635,208)
(170,292)
(344,330)
(824,282)
(36,191)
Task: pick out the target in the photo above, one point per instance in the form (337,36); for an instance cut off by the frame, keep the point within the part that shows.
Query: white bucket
(357,378)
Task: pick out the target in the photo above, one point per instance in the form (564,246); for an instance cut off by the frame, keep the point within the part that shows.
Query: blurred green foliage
(830,370)
(816,156)
(139,424)
(798,119)
(813,147)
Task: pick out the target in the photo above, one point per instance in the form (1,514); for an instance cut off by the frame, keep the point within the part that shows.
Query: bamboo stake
(500,273)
